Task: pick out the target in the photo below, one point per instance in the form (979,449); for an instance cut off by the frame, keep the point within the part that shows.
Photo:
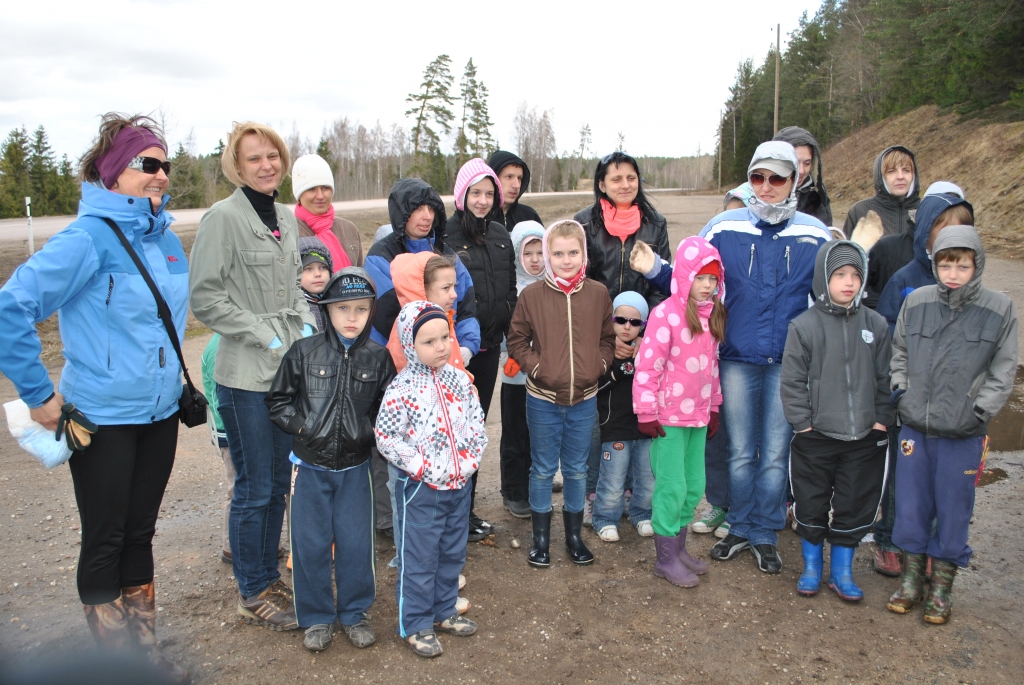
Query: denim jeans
(619,459)
(716,466)
(759,438)
(259,452)
(559,436)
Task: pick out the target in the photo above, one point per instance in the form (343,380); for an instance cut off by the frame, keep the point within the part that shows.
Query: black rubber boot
(539,555)
(578,552)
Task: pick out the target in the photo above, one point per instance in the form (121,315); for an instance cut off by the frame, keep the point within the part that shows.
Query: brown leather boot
(140,602)
(108,624)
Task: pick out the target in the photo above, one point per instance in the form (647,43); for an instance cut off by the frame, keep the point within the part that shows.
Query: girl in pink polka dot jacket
(676,396)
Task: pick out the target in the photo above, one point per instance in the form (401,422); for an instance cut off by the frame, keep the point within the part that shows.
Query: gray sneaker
(457,625)
(318,637)
(425,644)
(360,634)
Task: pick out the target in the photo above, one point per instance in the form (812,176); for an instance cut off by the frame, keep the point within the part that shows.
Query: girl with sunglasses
(121,371)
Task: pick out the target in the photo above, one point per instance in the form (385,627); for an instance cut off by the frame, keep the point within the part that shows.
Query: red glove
(712,425)
(651,429)
(511,368)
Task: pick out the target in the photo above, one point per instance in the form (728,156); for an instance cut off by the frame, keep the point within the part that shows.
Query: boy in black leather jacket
(327,393)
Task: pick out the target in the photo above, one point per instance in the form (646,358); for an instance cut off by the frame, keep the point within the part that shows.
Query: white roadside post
(31,239)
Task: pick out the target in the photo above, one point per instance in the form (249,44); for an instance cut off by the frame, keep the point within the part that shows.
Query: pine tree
(480,124)
(42,174)
(323,149)
(187,183)
(430,106)
(15,184)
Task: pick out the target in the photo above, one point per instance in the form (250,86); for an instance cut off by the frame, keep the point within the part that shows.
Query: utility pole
(31,238)
(778,65)
(721,130)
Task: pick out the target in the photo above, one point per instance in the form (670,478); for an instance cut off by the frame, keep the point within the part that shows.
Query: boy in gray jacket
(953,364)
(835,392)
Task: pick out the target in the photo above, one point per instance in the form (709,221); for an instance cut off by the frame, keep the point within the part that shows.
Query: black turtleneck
(264,206)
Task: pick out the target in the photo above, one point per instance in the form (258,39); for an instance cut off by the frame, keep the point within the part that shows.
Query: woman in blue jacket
(120,369)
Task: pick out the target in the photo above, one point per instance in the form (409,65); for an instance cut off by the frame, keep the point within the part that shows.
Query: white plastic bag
(33,438)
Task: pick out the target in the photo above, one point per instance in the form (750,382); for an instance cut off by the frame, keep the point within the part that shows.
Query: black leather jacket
(328,397)
(493,270)
(608,257)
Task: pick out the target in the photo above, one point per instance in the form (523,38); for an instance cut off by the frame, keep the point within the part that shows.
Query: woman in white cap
(313,185)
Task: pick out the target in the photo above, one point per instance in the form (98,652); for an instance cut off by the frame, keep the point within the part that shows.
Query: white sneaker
(644,529)
(588,510)
(462,605)
(462,581)
(609,534)
(722,531)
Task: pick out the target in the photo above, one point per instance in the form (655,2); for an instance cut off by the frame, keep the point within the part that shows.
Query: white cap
(310,171)
(945,187)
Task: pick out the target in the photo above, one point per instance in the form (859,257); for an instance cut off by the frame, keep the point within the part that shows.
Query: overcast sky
(658,72)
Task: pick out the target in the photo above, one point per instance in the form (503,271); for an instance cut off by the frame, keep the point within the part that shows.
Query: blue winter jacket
(120,365)
(768,272)
(917,273)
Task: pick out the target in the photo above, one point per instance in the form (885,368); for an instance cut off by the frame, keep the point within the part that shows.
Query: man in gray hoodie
(835,392)
(953,364)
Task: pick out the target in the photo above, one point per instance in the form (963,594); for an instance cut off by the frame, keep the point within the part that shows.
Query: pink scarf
(620,223)
(322,226)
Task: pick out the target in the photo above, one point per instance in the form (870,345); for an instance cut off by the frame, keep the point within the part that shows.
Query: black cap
(347,286)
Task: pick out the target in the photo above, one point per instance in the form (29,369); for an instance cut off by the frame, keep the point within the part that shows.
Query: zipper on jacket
(622,263)
(750,268)
(846,363)
(787,260)
(447,424)
(162,359)
(572,359)
(110,289)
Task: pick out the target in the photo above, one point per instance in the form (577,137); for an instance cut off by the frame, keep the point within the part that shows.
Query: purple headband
(128,143)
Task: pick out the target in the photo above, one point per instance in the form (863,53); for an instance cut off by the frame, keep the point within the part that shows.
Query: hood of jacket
(501,159)
(405,197)
(471,173)
(692,255)
(819,285)
(795,136)
(776,213)
(883,192)
(929,209)
(960,236)
(523,231)
(407,275)
(332,335)
(548,272)
(134,215)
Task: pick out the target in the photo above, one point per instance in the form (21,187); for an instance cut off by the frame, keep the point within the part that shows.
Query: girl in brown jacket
(561,336)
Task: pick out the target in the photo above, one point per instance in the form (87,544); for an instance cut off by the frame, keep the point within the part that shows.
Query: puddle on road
(989,476)
(1007,428)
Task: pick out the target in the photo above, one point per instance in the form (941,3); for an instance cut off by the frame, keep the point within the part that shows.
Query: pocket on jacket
(320,379)
(259,273)
(365,380)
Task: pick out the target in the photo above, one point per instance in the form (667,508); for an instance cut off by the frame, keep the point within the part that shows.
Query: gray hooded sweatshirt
(835,368)
(954,350)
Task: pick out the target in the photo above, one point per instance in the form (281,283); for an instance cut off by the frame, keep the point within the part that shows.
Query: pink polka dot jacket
(431,424)
(676,380)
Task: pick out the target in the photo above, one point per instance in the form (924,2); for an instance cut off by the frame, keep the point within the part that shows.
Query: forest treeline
(859,61)
(450,123)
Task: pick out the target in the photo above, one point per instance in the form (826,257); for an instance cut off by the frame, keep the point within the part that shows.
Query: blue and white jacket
(120,365)
(771,268)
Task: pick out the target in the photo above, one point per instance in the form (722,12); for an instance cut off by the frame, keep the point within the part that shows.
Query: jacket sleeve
(287,385)
(898,363)
(49,280)
(389,375)
(999,383)
(391,428)
(650,369)
(386,311)
(467,327)
(661,279)
(476,441)
(885,413)
(851,222)
(716,381)
(890,301)
(663,285)
(520,337)
(795,391)
(607,333)
(299,303)
(209,264)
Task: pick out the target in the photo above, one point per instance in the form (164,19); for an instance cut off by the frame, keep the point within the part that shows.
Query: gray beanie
(843,253)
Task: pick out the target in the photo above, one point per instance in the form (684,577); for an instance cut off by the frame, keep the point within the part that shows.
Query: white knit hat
(310,171)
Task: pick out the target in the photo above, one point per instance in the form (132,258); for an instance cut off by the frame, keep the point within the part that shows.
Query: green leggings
(677,461)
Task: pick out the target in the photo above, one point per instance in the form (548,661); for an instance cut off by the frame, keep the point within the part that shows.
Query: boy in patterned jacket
(431,428)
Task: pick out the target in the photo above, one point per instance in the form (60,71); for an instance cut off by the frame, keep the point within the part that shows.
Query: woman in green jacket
(244,285)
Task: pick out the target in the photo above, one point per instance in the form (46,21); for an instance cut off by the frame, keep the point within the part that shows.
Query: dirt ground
(612,622)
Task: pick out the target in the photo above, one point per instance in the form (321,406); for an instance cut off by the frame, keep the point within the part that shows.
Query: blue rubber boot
(840,575)
(810,579)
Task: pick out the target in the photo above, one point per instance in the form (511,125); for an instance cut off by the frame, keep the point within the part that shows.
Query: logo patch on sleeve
(868,336)
(907,447)
(806,239)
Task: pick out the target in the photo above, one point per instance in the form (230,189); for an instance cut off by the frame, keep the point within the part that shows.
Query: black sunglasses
(622,321)
(149,165)
(774,180)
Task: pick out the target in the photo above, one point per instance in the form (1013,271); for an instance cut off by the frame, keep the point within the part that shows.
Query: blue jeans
(759,438)
(559,435)
(259,452)
(618,460)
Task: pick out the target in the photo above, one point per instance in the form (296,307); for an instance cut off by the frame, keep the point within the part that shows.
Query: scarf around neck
(567,286)
(621,223)
(322,226)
